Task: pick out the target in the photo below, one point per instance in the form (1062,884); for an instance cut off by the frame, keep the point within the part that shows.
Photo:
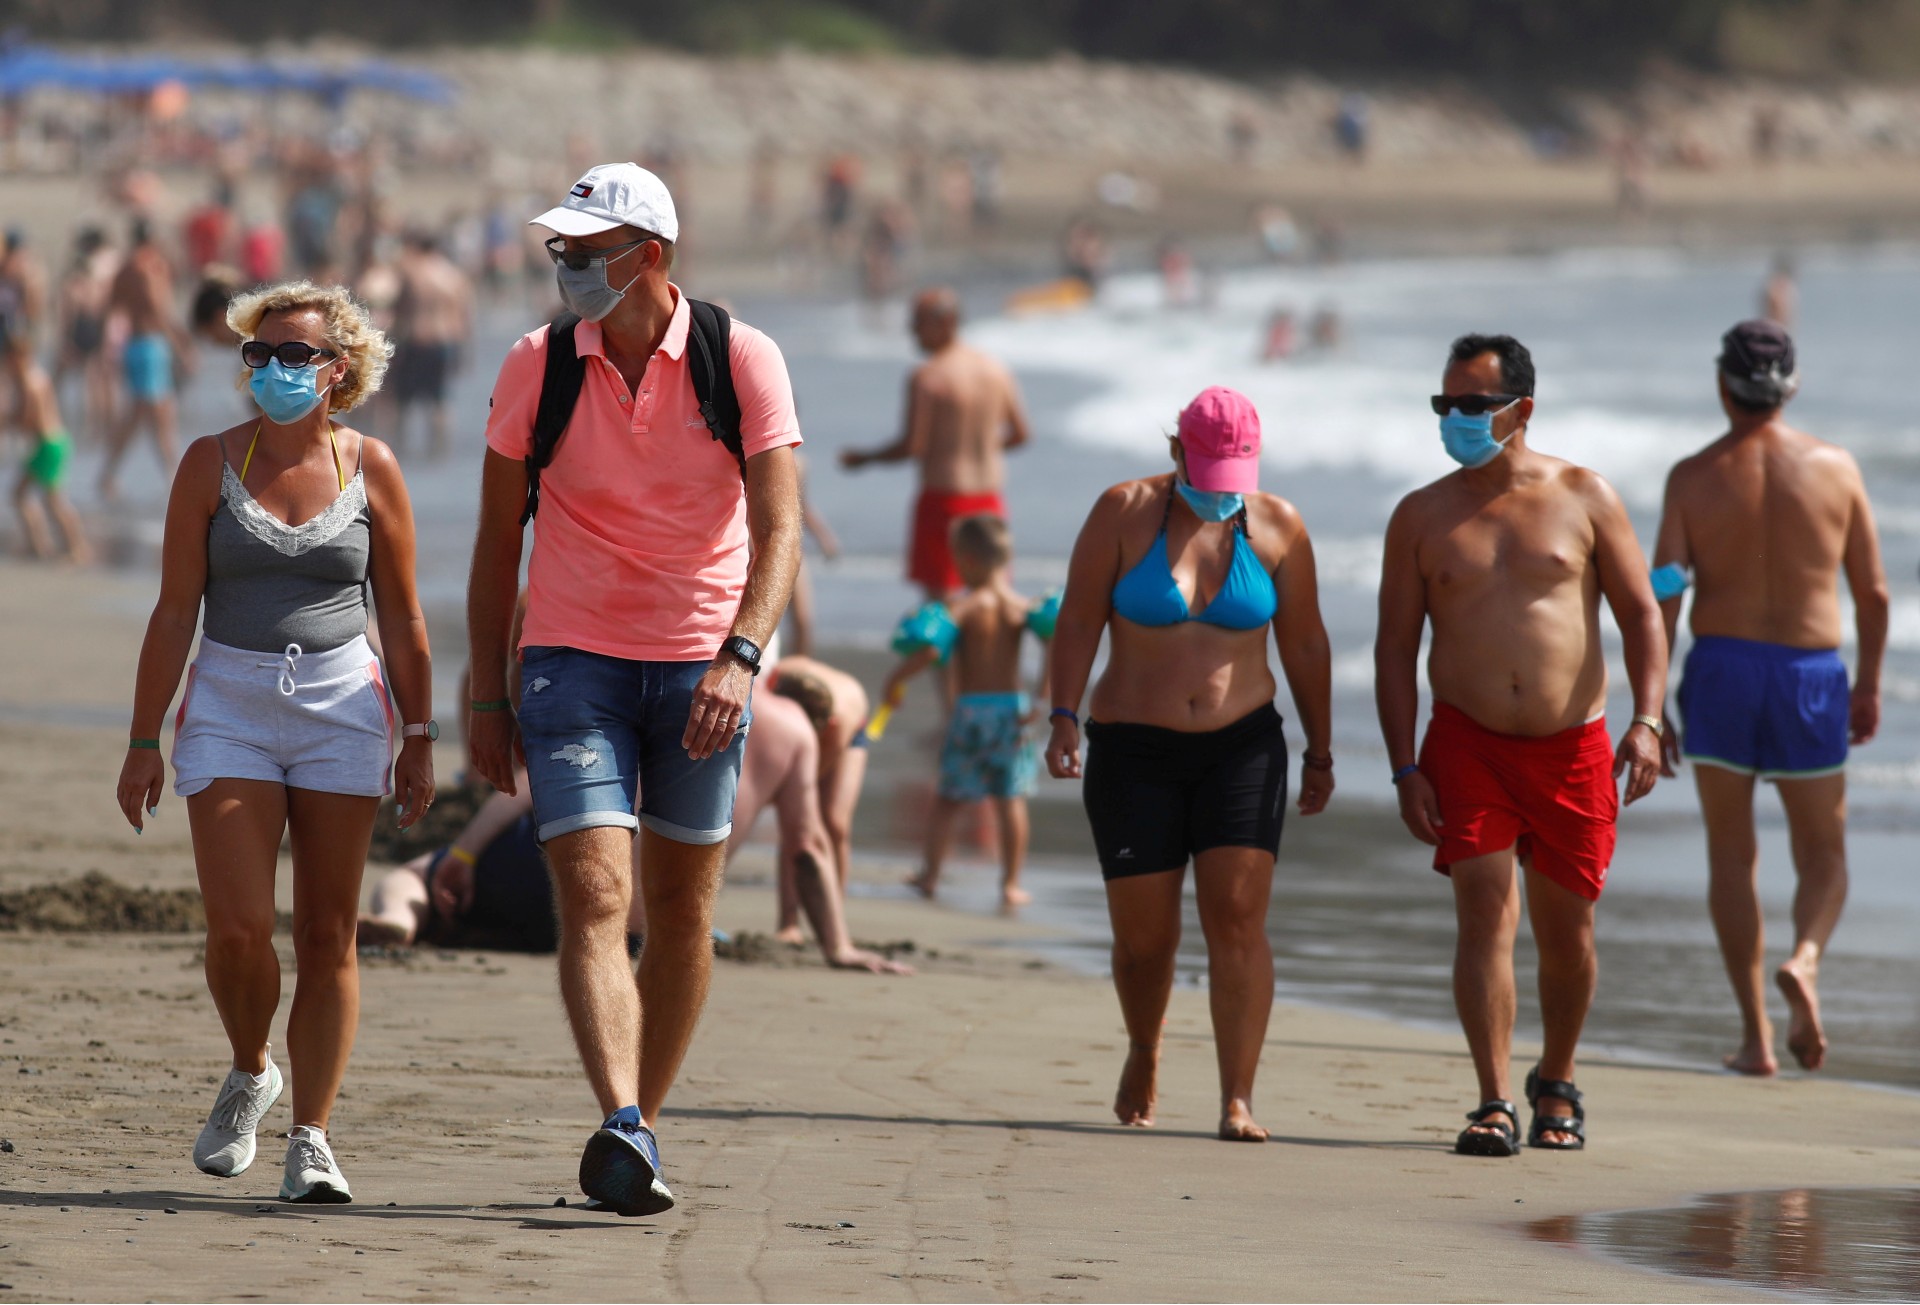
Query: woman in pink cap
(1185,756)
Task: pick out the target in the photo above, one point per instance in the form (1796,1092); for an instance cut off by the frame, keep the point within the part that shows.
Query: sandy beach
(833,1136)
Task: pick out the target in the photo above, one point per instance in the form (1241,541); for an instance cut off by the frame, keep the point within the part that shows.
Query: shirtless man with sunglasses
(1508,557)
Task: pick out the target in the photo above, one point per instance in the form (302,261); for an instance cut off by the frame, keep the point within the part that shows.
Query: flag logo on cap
(582,190)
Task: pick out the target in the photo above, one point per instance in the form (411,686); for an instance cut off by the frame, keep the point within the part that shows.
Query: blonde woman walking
(278,526)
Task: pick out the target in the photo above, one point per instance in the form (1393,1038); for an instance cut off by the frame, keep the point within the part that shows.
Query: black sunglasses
(579,260)
(294,353)
(1471,405)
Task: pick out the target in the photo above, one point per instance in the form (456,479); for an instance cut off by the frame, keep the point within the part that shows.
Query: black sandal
(1503,1140)
(1575,1124)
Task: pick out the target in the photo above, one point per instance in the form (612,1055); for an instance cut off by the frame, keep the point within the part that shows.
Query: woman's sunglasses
(579,260)
(1471,405)
(294,353)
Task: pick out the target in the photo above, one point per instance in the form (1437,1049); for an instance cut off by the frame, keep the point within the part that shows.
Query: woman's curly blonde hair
(349,328)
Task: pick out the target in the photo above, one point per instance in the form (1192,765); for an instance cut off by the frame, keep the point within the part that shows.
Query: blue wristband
(1068,712)
(1404,771)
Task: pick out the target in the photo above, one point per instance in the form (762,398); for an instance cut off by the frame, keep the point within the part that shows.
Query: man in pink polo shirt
(660,569)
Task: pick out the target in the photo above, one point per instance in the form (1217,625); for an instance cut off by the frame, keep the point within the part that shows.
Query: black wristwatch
(745,649)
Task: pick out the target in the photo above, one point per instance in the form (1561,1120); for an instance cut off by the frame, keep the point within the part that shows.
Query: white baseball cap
(614,195)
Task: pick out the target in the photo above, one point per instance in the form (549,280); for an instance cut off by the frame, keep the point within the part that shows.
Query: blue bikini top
(1147,595)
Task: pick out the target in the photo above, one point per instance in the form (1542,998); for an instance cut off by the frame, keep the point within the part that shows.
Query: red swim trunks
(930,564)
(1552,797)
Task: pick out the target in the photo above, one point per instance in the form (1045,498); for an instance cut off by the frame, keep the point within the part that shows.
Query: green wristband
(144,743)
(497,704)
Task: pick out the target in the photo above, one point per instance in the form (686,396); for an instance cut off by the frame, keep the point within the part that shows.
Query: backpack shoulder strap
(559,392)
(709,343)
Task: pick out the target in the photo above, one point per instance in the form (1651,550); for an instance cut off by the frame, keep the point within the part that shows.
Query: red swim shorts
(930,564)
(1551,797)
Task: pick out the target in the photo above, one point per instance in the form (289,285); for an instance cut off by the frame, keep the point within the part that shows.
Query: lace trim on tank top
(292,541)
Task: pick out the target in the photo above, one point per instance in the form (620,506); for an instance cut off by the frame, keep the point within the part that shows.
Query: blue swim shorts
(602,737)
(148,363)
(987,752)
(1764,709)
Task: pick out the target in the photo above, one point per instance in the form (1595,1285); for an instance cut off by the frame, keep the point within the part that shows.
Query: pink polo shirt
(640,546)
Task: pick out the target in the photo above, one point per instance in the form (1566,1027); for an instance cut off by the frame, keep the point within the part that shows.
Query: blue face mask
(1469,440)
(1210,505)
(286,394)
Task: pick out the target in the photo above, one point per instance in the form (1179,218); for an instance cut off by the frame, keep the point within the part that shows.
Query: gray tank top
(270,584)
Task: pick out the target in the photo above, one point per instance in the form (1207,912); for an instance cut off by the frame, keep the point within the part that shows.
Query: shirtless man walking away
(1509,558)
(143,293)
(963,413)
(432,323)
(1766,518)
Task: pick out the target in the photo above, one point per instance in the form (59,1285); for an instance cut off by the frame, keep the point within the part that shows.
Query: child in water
(988,754)
(37,412)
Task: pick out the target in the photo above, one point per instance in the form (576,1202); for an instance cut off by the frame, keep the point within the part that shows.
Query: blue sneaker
(621,1167)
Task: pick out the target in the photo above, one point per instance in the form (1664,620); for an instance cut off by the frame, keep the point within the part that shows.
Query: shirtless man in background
(156,340)
(1766,518)
(432,323)
(1509,558)
(963,413)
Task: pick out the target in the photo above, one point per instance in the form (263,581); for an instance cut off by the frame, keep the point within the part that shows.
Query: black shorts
(1155,796)
(420,371)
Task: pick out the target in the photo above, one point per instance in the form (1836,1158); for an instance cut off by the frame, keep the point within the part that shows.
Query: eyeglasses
(294,353)
(1471,405)
(579,260)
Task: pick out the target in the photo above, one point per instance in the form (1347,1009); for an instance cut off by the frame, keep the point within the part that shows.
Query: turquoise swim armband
(1669,581)
(931,626)
(1045,615)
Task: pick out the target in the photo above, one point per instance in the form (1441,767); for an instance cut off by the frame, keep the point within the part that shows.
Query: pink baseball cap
(1220,432)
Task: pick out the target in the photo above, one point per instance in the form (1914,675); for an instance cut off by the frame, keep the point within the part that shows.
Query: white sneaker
(313,1175)
(225,1146)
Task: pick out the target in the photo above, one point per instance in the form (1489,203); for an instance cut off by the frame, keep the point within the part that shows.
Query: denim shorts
(601,732)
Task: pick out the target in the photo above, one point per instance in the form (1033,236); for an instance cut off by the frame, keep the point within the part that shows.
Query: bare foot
(1012,899)
(1804,1036)
(1139,1090)
(1236,1123)
(922,885)
(374,932)
(857,958)
(1753,1058)
(792,936)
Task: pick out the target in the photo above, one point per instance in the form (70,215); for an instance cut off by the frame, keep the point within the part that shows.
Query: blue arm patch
(1669,581)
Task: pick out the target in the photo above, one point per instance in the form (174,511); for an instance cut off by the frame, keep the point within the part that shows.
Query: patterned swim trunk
(987,752)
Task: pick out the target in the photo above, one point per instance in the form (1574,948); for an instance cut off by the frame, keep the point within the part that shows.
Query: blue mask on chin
(1210,505)
(1469,441)
(286,394)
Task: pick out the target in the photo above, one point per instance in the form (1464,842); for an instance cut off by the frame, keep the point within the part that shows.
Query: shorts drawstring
(289,664)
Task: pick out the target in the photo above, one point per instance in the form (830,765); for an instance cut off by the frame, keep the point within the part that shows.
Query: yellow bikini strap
(248,460)
(338,471)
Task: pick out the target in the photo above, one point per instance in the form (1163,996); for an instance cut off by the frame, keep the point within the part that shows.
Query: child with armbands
(988,753)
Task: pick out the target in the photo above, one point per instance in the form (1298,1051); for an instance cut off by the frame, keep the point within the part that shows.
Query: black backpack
(709,331)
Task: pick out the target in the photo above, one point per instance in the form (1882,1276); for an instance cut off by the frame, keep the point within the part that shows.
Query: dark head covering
(1757,360)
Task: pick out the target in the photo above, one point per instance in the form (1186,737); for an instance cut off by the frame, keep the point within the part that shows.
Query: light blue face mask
(286,394)
(1211,505)
(1469,441)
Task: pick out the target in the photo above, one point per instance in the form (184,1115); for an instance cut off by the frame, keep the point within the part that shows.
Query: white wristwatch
(429,731)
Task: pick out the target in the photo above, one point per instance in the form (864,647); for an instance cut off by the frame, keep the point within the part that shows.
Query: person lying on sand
(490,887)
